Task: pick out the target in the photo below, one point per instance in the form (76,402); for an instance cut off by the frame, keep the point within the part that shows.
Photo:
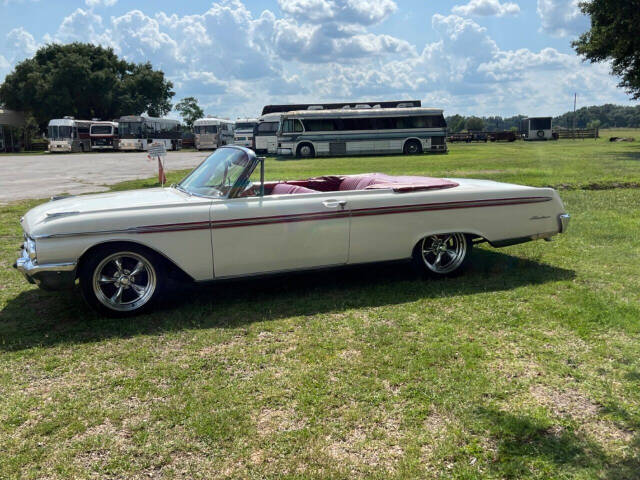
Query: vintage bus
(104,135)
(243,132)
(138,132)
(211,133)
(265,133)
(68,135)
(411,130)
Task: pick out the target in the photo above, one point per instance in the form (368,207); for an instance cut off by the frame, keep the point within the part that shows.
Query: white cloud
(562,17)
(363,12)
(20,44)
(97,3)
(486,8)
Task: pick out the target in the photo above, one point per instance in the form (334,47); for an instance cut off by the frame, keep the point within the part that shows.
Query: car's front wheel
(443,255)
(121,280)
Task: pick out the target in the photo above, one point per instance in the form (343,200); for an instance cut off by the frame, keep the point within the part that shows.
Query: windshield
(218,174)
(245,126)
(130,129)
(101,129)
(59,132)
(202,129)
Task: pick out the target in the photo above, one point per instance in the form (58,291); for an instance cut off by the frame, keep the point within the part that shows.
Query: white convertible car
(123,247)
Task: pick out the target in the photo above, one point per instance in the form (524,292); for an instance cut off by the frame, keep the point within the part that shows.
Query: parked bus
(104,135)
(265,134)
(364,131)
(334,106)
(68,135)
(211,133)
(243,132)
(137,133)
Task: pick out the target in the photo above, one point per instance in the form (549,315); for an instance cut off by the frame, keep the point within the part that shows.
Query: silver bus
(243,132)
(211,133)
(138,133)
(265,134)
(68,135)
(362,131)
(104,135)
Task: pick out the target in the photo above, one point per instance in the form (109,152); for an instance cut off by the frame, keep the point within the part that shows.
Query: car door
(279,233)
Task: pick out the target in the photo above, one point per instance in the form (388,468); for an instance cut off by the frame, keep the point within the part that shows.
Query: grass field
(528,366)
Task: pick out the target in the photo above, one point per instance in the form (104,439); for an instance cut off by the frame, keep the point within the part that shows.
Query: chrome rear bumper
(563,220)
(49,276)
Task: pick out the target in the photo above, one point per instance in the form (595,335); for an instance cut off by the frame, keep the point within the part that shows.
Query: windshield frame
(239,185)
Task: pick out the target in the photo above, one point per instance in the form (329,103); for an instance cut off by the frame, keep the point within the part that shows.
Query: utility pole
(575,99)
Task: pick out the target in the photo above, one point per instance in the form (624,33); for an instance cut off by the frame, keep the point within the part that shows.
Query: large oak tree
(614,36)
(85,81)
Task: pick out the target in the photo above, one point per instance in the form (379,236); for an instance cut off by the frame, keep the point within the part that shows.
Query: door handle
(335,203)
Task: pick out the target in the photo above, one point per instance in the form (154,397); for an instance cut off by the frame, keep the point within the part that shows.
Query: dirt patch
(272,421)
(566,403)
(369,446)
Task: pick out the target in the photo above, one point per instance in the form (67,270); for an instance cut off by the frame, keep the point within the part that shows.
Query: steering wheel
(248,191)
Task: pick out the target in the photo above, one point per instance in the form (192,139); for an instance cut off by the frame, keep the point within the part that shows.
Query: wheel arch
(172,268)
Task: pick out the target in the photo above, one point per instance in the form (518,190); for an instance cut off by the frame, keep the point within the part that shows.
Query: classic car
(124,247)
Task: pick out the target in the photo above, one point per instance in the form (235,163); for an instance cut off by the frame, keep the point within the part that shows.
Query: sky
(472,57)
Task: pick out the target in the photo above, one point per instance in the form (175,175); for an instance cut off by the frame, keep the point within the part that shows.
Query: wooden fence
(578,133)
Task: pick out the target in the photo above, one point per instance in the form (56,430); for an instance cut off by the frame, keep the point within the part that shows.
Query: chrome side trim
(132,230)
(563,220)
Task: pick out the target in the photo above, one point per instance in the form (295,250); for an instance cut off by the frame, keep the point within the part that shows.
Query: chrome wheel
(443,254)
(124,281)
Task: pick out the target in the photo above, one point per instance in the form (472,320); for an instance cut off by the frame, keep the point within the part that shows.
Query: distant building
(8,119)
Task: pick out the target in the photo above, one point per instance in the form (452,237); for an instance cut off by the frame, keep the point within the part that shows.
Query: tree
(84,81)
(474,124)
(614,36)
(455,123)
(189,110)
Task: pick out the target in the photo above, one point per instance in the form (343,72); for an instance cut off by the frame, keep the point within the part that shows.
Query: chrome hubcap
(305,151)
(124,281)
(444,253)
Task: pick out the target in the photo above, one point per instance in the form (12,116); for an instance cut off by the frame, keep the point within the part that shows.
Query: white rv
(243,132)
(211,133)
(266,133)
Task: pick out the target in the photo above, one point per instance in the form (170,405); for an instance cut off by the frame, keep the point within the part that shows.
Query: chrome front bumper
(563,220)
(49,276)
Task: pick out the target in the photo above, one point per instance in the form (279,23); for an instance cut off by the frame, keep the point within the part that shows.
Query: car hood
(103,203)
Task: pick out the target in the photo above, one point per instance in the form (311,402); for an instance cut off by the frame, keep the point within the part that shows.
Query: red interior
(365,181)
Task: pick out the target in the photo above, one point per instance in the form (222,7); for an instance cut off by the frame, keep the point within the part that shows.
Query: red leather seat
(285,188)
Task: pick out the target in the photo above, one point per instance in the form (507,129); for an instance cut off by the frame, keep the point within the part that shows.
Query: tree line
(602,116)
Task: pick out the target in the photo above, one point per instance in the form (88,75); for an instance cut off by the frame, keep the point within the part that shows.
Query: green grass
(528,366)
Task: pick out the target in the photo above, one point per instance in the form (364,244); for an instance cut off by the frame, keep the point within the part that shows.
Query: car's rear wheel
(122,280)
(443,255)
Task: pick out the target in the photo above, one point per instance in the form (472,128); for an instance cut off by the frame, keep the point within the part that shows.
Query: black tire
(412,147)
(305,150)
(129,254)
(459,263)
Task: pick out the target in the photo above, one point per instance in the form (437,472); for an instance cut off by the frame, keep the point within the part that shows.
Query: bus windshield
(244,126)
(56,132)
(130,129)
(206,129)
